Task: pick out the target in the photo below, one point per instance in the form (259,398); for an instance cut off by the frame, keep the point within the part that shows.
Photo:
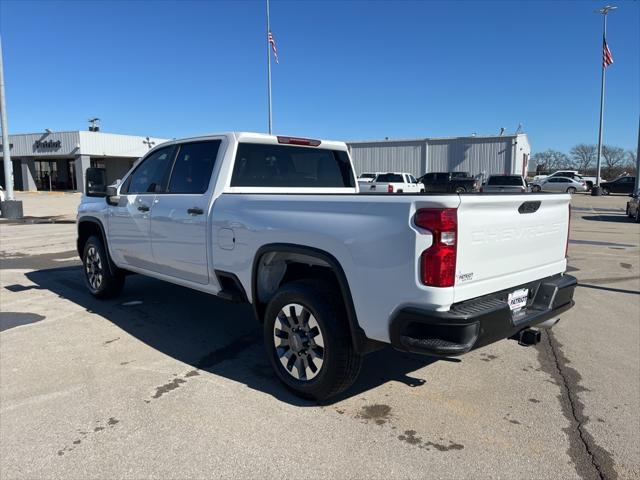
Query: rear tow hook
(527,337)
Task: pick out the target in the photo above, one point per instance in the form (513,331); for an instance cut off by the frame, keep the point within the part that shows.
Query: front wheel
(605,191)
(308,341)
(638,214)
(460,190)
(101,282)
(536,188)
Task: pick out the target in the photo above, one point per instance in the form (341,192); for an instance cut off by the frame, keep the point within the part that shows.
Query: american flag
(272,42)
(607,58)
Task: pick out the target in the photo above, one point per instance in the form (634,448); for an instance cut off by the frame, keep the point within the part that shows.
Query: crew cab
(448,182)
(393,183)
(277,222)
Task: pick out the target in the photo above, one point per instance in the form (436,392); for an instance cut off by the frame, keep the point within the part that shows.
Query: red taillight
(438,262)
(566,248)
(299,141)
(390,188)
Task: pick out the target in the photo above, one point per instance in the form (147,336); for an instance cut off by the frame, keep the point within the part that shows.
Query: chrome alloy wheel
(93,268)
(299,342)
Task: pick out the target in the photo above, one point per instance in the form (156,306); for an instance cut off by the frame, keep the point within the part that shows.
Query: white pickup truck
(277,222)
(396,182)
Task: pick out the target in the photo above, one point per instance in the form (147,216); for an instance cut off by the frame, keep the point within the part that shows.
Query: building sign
(47,144)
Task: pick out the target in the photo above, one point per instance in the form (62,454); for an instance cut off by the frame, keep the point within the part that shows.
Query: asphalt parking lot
(165,382)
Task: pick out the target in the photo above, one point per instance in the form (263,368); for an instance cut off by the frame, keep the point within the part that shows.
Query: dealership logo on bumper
(507,234)
(47,144)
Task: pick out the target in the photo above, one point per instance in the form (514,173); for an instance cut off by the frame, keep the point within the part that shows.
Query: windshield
(389,178)
(505,180)
(367,175)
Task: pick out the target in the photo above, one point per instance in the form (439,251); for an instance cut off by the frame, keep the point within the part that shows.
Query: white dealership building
(58,160)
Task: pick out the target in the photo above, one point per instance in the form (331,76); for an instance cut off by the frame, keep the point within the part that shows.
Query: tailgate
(508,240)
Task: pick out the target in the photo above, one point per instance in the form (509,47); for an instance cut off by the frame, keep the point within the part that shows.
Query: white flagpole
(604,11)
(269,65)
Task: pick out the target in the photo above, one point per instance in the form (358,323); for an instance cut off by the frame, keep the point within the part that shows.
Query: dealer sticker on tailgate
(518,299)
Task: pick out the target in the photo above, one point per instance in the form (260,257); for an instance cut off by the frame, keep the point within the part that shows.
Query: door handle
(143,208)
(195,211)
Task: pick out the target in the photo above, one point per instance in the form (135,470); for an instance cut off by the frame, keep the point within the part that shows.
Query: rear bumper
(480,321)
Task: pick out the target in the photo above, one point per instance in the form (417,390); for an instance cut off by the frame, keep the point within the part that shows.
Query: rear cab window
(286,166)
(389,178)
(511,180)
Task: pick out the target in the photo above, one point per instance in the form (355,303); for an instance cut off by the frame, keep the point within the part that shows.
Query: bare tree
(551,160)
(614,158)
(630,164)
(583,156)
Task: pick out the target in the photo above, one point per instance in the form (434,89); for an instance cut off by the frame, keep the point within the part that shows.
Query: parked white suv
(394,183)
(277,222)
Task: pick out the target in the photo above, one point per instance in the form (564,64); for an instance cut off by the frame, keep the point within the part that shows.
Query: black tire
(571,190)
(638,214)
(461,190)
(340,363)
(100,281)
(422,190)
(400,191)
(536,188)
(605,191)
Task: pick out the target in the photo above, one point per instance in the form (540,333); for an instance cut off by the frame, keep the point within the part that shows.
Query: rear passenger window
(151,175)
(193,166)
(259,165)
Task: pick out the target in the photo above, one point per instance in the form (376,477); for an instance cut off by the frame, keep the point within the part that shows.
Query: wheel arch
(297,252)
(87,227)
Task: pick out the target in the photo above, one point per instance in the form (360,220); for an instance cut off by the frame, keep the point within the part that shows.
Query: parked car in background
(589,181)
(505,184)
(448,182)
(633,206)
(619,185)
(393,183)
(367,177)
(560,184)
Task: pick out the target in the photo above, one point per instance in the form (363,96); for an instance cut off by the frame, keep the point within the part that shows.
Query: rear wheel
(571,190)
(605,191)
(536,188)
(308,341)
(638,214)
(460,190)
(100,281)
(400,191)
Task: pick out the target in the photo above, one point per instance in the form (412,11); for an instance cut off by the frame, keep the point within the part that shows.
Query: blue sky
(348,70)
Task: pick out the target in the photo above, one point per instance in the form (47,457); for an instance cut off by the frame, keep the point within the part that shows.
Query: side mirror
(111,194)
(96,182)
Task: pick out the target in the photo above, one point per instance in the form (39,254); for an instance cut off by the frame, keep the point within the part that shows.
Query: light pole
(10,208)
(604,11)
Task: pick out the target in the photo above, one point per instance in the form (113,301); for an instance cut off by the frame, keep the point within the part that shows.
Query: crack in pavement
(590,459)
